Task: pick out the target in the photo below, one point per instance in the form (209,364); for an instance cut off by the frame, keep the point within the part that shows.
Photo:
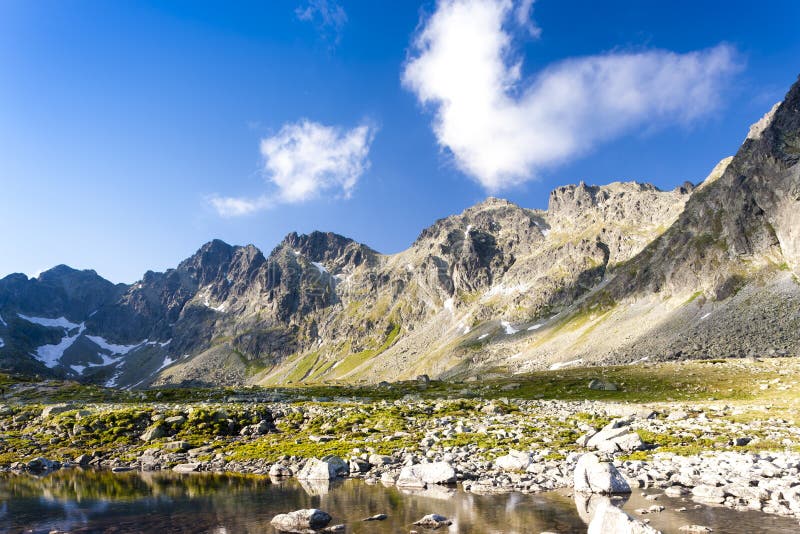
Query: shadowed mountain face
(607,274)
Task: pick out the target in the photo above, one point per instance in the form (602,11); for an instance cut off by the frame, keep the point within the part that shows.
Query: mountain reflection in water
(164,502)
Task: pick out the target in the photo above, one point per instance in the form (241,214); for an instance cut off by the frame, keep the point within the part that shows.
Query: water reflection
(100,502)
(93,501)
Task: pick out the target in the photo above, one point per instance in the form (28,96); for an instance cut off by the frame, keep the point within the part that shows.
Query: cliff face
(614,273)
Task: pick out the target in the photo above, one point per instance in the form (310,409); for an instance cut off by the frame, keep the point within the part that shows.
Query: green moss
(303,367)
(694,297)
(355,360)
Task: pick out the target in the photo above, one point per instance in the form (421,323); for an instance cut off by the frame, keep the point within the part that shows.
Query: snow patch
(509,329)
(561,365)
(60,322)
(112,347)
(409,267)
(321,268)
(107,360)
(544,230)
(50,355)
(706,315)
(502,289)
(2,343)
(207,304)
(466,329)
(482,336)
(112,382)
(78,368)
(467,231)
(165,343)
(449,305)
(537,326)
(2,321)
(167,362)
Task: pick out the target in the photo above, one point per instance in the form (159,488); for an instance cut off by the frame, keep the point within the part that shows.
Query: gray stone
(154,432)
(187,468)
(55,409)
(513,461)
(708,494)
(602,385)
(433,521)
(608,519)
(301,520)
(380,460)
(278,470)
(328,468)
(420,475)
(593,476)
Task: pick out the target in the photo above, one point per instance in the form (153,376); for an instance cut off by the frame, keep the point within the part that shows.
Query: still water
(104,502)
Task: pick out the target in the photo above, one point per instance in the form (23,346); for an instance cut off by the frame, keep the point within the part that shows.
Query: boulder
(359,465)
(608,518)
(433,521)
(513,461)
(278,470)
(708,494)
(176,420)
(420,475)
(380,460)
(55,409)
(177,446)
(41,464)
(602,385)
(154,432)
(301,520)
(593,476)
(615,437)
(328,468)
(187,468)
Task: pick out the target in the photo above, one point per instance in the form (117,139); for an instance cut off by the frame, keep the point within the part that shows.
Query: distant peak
(757,128)
(494,201)
(321,246)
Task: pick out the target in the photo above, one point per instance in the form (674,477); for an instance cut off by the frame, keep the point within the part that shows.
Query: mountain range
(620,273)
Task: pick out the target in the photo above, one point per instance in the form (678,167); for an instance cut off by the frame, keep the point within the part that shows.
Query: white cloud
(303,161)
(523,13)
(327,15)
(503,129)
(238,206)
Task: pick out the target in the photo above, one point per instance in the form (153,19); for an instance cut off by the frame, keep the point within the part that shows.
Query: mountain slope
(615,273)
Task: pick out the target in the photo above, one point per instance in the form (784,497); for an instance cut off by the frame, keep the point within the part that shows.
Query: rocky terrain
(619,273)
(680,434)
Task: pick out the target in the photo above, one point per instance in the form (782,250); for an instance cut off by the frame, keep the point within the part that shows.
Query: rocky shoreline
(485,446)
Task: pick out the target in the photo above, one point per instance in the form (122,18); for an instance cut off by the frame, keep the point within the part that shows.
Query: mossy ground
(388,418)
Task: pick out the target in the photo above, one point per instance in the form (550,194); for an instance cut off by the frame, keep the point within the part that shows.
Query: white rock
(187,468)
(609,519)
(420,475)
(513,461)
(301,520)
(328,468)
(593,476)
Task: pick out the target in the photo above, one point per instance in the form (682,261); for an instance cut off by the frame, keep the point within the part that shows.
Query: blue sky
(133,132)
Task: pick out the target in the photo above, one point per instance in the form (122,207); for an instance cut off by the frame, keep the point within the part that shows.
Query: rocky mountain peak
(779,130)
(330,249)
(209,263)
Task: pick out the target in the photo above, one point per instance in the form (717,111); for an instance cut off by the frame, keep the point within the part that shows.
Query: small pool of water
(104,502)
